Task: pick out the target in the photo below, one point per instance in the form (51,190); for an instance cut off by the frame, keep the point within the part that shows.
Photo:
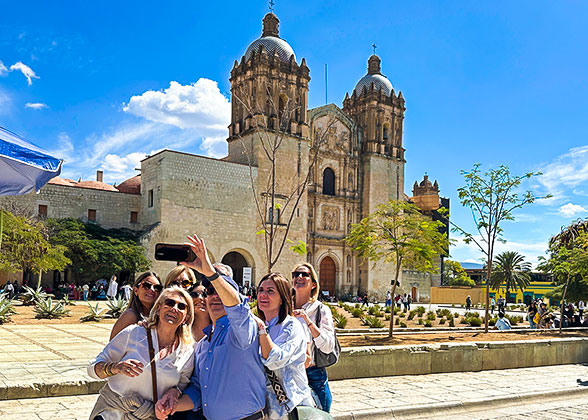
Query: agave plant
(46,309)
(372,322)
(116,306)
(6,308)
(94,314)
(32,296)
(340,320)
(66,302)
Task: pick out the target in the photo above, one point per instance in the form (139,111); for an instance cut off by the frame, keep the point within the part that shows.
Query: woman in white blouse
(306,284)
(126,364)
(283,342)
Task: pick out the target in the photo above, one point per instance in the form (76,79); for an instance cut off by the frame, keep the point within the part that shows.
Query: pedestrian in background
(468,303)
(531,313)
(112,287)
(492,304)
(388,298)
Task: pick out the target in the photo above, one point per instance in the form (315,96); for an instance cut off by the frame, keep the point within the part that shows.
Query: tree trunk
(486,311)
(561,304)
(393,304)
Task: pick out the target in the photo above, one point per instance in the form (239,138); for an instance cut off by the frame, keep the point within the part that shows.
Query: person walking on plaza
(531,313)
(85,290)
(502,323)
(126,291)
(581,307)
(144,361)
(492,304)
(284,343)
(112,287)
(319,320)
(229,379)
(9,289)
(468,303)
(388,298)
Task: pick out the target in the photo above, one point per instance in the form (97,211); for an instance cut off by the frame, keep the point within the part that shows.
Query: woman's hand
(260,323)
(301,313)
(167,404)
(129,368)
(202,263)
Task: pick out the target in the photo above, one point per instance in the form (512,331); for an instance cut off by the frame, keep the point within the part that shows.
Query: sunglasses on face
(211,291)
(186,284)
(201,294)
(296,274)
(174,303)
(148,286)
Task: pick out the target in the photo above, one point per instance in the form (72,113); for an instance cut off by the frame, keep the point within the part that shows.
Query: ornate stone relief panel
(330,218)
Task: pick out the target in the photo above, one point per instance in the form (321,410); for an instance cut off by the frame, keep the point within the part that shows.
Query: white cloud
(118,168)
(64,150)
(461,251)
(566,172)
(3,69)
(570,210)
(36,105)
(199,106)
(215,146)
(5,103)
(25,70)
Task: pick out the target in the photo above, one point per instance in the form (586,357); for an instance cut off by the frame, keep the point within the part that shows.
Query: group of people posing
(191,347)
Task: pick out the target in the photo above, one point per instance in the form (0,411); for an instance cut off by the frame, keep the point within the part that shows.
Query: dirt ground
(26,315)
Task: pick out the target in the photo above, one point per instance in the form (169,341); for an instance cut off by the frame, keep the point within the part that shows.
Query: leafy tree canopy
(510,269)
(456,275)
(95,251)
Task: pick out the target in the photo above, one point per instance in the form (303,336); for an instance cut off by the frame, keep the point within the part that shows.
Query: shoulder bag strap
(318,317)
(153,370)
(276,385)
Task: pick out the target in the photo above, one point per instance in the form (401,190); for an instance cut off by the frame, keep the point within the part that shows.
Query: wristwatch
(213,277)
(262,331)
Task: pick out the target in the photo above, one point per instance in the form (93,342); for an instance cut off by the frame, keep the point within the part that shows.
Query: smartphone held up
(174,252)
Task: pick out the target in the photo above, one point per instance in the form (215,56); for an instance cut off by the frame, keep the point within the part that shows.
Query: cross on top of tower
(271,5)
(374,46)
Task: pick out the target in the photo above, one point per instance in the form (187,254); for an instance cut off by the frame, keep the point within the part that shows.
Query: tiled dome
(271,41)
(96,185)
(375,76)
(131,185)
(61,181)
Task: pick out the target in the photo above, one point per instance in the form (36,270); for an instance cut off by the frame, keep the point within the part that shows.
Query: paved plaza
(46,364)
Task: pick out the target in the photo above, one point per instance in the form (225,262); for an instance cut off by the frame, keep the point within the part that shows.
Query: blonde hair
(314,293)
(176,272)
(184,331)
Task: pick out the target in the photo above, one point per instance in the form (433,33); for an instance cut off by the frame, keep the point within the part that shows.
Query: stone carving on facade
(330,218)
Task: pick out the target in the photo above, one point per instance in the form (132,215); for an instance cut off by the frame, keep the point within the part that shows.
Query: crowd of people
(190,347)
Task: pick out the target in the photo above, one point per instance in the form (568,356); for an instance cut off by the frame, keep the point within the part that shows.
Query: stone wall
(366,362)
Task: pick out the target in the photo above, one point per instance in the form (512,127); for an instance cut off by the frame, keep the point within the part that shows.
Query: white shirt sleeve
(114,350)
(326,340)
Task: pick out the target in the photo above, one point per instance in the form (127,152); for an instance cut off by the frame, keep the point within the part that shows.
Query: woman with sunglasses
(201,316)
(180,276)
(283,343)
(146,290)
(305,282)
(126,361)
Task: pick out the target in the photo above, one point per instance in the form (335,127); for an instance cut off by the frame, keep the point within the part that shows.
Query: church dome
(271,45)
(131,185)
(271,41)
(374,76)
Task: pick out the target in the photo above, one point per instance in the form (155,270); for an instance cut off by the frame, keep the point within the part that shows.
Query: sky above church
(104,84)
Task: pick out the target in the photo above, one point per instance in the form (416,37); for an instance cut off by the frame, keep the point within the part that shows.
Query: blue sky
(103,84)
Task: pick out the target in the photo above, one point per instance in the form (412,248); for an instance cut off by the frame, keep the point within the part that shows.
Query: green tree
(568,262)
(398,233)
(511,269)
(25,247)
(95,251)
(492,196)
(456,275)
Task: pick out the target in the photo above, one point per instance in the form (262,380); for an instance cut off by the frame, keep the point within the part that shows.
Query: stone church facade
(355,155)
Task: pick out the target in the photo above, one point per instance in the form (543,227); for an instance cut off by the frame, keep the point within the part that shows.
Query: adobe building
(356,156)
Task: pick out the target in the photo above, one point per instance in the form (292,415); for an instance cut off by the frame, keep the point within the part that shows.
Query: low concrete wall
(457,295)
(366,362)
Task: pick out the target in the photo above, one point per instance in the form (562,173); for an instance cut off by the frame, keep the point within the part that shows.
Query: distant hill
(470,265)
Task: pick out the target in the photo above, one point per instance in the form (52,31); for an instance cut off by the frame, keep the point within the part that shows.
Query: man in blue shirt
(502,323)
(229,379)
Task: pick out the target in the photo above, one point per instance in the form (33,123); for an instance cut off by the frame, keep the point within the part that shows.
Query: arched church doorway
(414,293)
(327,275)
(237,262)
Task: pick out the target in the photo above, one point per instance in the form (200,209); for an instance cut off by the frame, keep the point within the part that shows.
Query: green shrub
(474,321)
(6,308)
(420,321)
(387,317)
(372,322)
(66,301)
(396,310)
(472,315)
(116,306)
(411,315)
(94,314)
(492,322)
(32,296)
(397,321)
(442,321)
(340,320)
(431,316)
(46,309)
(402,325)
(428,324)
(387,309)
(373,310)
(445,312)
(358,305)
(402,315)
(456,314)
(356,312)
(463,321)
(421,310)
(333,309)
(451,323)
